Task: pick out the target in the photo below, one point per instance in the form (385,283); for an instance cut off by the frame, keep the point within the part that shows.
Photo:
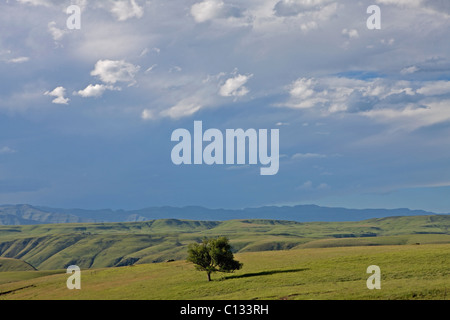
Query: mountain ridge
(25,214)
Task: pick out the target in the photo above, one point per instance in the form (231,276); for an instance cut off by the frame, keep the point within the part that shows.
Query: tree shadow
(263,273)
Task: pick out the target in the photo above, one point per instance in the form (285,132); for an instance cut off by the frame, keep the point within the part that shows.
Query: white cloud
(147,114)
(59,93)
(18,60)
(406,104)
(307,14)
(409,70)
(435,88)
(309,186)
(110,40)
(295,7)
(111,71)
(151,68)
(302,88)
(126,9)
(56,33)
(46,3)
(144,52)
(352,33)
(338,94)
(234,87)
(310,25)
(304,95)
(412,116)
(206,10)
(402,3)
(184,108)
(214,9)
(94,90)
(388,42)
(323,186)
(302,156)
(7,150)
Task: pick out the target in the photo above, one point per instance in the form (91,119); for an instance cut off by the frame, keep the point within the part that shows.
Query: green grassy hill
(407,272)
(98,245)
(8,264)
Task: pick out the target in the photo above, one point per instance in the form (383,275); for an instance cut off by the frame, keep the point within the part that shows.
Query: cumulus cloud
(206,10)
(234,87)
(147,114)
(294,7)
(412,116)
(334,94)
(407,104)
(338,94)
(57,34)
(410,3)
(304,94)
(428,6)
(46,3)
(58,93)
(309,13)
(94,90)
(126,9)
(213,9)
(434,88)
(302,88)
(111,71)
(350,33)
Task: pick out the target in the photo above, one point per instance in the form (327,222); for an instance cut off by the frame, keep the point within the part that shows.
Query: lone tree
(213,255)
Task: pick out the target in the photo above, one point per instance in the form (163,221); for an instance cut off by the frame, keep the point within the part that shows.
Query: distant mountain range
(28,215)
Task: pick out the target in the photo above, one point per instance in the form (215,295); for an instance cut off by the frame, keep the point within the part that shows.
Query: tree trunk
(209,276)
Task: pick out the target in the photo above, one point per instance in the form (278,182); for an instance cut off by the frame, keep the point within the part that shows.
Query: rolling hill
(98,245)
(8,264)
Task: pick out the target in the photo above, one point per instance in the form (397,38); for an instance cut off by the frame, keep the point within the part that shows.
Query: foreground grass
(407,272)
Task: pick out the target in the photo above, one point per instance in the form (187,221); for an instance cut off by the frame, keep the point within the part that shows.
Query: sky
(86,114)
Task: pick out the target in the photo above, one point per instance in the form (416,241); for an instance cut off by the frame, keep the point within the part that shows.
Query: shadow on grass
(263,273)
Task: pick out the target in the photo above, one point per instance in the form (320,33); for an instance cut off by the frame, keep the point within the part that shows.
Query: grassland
(407,272)
(7,264)
(98,245)
(282,259)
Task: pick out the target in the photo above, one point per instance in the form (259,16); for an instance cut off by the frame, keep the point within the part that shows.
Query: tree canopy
(213,255)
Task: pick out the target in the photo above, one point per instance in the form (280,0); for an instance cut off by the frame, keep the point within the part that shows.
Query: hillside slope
(96,245)
(8,264)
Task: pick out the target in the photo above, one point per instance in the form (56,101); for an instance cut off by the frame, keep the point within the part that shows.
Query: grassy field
(407,272)
(98,245)
(282,259)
